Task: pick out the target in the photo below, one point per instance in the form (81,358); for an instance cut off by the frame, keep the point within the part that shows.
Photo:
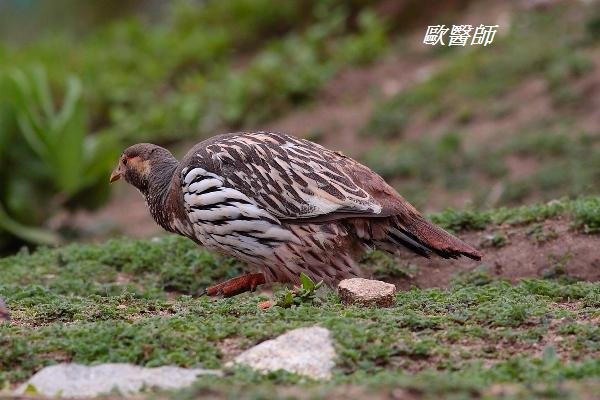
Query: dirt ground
(549,249)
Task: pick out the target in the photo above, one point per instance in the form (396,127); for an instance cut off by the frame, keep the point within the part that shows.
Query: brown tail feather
(436,239)
(415,233)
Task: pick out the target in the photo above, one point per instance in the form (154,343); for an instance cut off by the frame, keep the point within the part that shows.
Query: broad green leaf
(307,283)
(42,91)
(32,138)
(63,162)
(288,299)
(30,234)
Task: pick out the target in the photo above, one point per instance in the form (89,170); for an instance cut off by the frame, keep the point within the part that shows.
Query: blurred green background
(511,123)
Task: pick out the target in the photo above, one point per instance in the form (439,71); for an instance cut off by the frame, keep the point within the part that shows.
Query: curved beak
(116,174)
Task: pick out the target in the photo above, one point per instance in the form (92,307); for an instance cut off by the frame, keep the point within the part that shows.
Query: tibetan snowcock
(281,204)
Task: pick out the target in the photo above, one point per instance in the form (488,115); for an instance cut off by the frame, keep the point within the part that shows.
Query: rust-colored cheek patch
(141,167)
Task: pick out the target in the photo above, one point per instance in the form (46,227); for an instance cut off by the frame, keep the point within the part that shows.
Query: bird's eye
(124,160)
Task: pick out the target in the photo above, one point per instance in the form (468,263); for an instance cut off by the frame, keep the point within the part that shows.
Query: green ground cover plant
(134,301)
(182,77)
(563,164)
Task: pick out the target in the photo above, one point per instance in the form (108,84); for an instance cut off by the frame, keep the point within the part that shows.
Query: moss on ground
(131,301)
(584,212)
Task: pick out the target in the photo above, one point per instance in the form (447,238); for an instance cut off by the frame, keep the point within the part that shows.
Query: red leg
(236,286)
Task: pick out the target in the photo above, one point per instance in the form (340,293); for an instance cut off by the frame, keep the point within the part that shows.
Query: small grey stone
(367,292)
(74,380)
(304,351)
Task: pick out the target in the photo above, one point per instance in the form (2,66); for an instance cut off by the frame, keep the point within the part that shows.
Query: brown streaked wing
(293,178)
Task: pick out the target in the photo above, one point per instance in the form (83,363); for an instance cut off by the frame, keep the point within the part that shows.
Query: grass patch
(561,165)
(129,301)
(419,337)
(446,160)
(206,66)
(584,211)
(472,77)
(586,214)
(474,88)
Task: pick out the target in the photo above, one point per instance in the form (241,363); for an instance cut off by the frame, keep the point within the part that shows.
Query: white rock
(304,351)
(74,380)
(367,292)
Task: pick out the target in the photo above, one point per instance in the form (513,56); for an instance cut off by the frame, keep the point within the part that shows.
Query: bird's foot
(235,286)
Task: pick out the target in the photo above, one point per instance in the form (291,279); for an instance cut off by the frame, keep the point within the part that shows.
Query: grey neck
(159,183)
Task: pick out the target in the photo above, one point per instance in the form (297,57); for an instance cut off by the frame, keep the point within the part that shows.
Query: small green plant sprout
(539,234)
(476,277)
(557,265)
(305,294)
(586,215)
(496,240)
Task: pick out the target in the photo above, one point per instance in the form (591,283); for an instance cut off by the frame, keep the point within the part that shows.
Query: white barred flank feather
(226,219)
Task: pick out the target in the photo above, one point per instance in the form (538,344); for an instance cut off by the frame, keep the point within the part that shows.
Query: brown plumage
(282,204)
